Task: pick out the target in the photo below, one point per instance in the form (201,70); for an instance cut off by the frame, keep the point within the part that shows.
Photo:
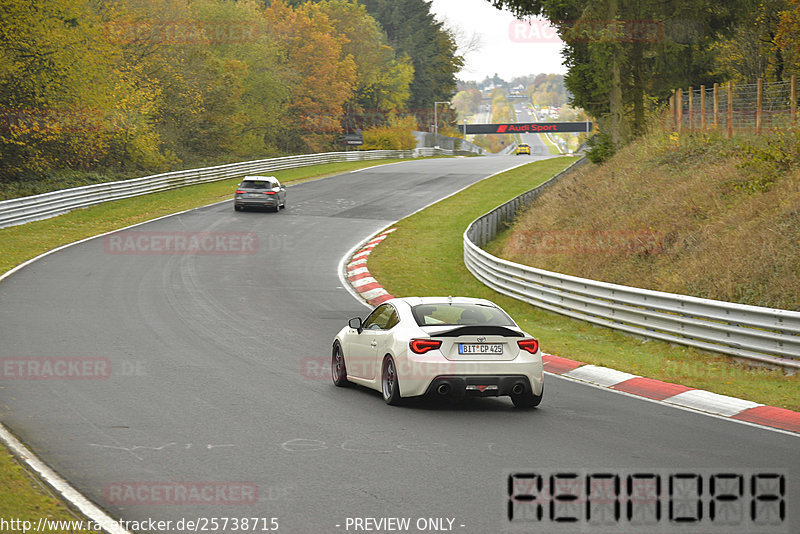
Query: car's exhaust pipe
(443,389)
(518,389)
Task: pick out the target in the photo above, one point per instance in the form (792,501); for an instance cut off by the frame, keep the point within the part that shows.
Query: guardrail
(32,208)
(763,334)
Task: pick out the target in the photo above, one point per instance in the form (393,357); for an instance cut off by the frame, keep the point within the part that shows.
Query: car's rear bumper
(478,386)
(419,377)
(255,203)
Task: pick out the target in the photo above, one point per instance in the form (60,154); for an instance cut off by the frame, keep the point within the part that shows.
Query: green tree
(623,54)
(414,32)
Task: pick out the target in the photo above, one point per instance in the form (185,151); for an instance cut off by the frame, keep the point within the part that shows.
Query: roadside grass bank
(25,498)
(21,243)
(694,214)
(424,257)
(551,147)
(22,495)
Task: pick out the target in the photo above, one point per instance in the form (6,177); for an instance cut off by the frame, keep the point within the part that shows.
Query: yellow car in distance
(523,148)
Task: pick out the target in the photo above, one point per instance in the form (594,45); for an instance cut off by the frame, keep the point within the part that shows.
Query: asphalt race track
(219,379)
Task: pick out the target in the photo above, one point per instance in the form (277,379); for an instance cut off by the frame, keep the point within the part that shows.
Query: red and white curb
(675,394)
(357,274)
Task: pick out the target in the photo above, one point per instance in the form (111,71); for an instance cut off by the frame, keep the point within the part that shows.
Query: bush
(395,136)
(602,148)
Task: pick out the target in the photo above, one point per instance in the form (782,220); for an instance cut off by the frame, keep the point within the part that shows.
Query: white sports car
(446,346)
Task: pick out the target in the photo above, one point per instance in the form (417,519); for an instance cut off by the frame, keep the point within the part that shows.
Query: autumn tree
(382,78)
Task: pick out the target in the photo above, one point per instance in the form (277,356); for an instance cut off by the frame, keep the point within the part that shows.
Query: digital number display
(705,501)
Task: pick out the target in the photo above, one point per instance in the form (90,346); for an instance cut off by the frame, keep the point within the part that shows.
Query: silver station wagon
(260,192)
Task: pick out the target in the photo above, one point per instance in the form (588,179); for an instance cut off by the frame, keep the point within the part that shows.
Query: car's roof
(524,144)
(416,301)
(260,179)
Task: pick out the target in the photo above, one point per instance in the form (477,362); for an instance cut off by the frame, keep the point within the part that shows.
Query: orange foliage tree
(319,75)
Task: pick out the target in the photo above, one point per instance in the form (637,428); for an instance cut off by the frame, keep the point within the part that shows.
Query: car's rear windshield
(257,184)
(454,314)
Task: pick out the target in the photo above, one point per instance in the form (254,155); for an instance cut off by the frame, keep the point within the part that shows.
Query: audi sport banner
(528,127)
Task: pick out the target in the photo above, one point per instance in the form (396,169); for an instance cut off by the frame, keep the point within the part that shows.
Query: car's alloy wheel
(389,385)
(338,368)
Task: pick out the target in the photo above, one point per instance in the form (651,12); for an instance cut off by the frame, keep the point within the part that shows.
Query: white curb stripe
(707,401)
(372,293)
(360,270)
(362,261)
(363,282)
(603,376)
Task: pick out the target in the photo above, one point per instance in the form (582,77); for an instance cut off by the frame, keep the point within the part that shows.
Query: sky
(507,47)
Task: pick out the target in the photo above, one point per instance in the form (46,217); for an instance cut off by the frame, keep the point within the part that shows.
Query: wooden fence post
(691,110)
(703,107)
(793,98)
(716,106)
(679,109)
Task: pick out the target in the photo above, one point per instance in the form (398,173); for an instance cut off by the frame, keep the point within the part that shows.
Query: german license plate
(480,348)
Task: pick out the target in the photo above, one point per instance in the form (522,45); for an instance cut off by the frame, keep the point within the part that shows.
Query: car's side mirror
(355,324)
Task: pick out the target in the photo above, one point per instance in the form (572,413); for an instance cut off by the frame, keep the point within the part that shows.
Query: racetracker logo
(589,242)
(181,493)
(177,243)
(51,121)
(57,368)
(183,32)
(586,31)
(319,368)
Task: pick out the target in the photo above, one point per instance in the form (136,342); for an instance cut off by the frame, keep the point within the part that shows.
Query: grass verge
(551,147)
(24,497)
(437,269)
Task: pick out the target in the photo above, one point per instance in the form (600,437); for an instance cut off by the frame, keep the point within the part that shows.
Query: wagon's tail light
(531,345)
(421,346)
(239,192)
(269,192)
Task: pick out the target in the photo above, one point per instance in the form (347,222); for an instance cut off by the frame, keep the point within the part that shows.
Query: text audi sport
(452,346)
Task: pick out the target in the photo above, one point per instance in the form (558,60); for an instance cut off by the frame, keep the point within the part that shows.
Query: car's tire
(527,400)
(338,367)
(237,208)
(389,385)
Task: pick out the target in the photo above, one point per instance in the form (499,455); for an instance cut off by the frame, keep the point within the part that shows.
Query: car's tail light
(239,192)
(269,192)
(421,346)
(531,345)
